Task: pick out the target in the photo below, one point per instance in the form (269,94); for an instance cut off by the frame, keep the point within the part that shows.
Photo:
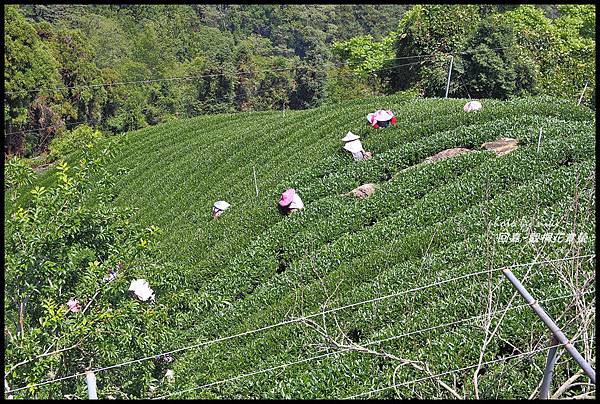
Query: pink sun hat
(380,115)
(287,196)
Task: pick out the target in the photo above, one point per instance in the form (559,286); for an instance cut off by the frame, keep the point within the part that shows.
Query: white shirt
(296,203)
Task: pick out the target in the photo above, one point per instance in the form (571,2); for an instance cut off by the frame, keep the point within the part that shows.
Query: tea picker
(218,208)
(381,118)
(353,145)
(290,201)
(472,106)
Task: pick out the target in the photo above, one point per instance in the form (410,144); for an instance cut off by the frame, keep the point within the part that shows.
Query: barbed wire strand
(147,81)
(180,78)
(457,370)
(367,344)
(45,127)
(297,319)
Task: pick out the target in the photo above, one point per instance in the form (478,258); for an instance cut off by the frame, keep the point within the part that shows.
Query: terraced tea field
(406,278)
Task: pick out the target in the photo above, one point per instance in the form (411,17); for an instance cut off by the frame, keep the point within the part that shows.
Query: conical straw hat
(354,146)
(349,137)
(222,205)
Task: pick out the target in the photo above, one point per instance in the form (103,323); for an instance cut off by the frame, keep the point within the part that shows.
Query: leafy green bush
(16,174)
(494,66)
(60,246)
(77,139)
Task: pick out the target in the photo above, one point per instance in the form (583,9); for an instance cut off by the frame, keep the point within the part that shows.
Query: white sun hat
(350,137)
(221,205)
(472,106)
(354,146)
(141,289)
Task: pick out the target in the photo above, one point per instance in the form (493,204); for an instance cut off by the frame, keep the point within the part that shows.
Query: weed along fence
(385,279)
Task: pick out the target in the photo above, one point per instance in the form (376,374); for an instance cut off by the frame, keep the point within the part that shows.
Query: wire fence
(346,350)
(394,386)
(58,125)
(296,320)
(156,80)
(239,75)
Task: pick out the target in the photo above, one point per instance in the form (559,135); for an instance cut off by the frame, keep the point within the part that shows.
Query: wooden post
(90,378)
(449,74)
(583,92)
(539,140)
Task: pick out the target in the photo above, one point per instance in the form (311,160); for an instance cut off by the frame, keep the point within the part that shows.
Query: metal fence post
(255,183)
(558,334)
(550,362)
(90,378)
(583,92)
(449,74)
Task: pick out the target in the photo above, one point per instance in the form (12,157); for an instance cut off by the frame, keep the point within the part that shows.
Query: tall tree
(426,30)
(494,66)
(29,69)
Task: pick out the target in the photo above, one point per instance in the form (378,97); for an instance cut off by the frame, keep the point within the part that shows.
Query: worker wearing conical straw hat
(218,208)
(472,106)
(353,145)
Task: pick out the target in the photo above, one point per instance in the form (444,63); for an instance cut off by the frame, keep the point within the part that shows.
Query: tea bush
(253,267)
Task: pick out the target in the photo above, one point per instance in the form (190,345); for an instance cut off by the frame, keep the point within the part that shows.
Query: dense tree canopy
(123,67)
(184,60)
(499,51)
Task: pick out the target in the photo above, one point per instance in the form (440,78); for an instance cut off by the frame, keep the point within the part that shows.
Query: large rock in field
(363,191)
(501,146)
(444,154)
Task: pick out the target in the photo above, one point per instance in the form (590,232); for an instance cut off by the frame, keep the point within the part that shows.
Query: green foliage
(510,51)
(28,65)
(344,84)
(186,60)
(562,49)
(234,58)
(70,141)
(493,64)
(363,54)
(60,246)
(430,30)
(16,174)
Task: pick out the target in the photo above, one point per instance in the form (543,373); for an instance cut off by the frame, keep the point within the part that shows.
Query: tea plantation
(422,251)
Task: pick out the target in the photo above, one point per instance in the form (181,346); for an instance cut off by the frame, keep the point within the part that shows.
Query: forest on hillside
(117,68)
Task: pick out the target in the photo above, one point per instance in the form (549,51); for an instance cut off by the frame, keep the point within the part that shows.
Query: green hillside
(426,223)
